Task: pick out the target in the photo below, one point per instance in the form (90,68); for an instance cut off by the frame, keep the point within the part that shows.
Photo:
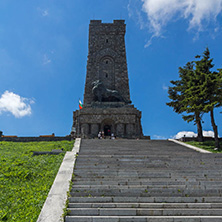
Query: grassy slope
(207,145)
(25,180)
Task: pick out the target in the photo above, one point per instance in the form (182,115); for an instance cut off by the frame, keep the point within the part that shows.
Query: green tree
(197,92)
(212,88)
(186,96)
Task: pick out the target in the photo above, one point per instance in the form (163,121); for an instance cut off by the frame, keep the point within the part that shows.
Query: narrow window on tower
(107,61)
(107,41)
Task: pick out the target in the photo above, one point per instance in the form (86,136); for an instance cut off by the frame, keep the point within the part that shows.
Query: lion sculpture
(102,94)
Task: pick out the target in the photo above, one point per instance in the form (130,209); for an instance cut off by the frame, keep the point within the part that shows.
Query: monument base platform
(123,122)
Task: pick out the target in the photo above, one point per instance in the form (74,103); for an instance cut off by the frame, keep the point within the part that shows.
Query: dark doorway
(107,130)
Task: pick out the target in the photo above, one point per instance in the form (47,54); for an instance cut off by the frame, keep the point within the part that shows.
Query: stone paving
(140,180)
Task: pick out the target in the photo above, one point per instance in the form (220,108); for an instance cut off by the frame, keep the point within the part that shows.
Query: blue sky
(44,48)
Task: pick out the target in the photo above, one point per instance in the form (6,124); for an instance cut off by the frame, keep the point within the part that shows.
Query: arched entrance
(107,130)
(107,126)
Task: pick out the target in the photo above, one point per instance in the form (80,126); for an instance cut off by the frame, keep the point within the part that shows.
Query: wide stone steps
(143,212)
(138,180)
(147,174)
(127,161)
(140,187)
(147,164)
(145,190)
(161,185)
(148,205)
(144,181)
(157,193)
(144,176)
(116,164)
(153,199)
(143,218)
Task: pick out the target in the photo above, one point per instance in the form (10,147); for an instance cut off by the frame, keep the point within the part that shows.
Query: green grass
(25,180)
(207,145)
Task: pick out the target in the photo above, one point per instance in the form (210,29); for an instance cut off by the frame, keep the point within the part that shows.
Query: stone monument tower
(107,106)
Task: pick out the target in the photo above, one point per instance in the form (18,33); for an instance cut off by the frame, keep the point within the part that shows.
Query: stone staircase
(140,181)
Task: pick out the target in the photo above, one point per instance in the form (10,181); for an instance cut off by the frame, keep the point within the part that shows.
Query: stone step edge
(190,146)
(145,217)
(145,200)
(143,212)
(52,209)
(138,210)
(148,205)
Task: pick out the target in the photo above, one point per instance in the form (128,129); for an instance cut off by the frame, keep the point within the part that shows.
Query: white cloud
(164,87)
(208,133)
(160,12)
(46,60)
(43,12)
(134,12)
(192,134)
(15,104)
(158,137)
(185,133)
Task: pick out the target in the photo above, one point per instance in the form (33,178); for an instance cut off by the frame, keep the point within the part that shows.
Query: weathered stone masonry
(107,98)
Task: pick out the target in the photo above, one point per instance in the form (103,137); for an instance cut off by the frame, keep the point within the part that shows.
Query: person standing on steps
(112,136)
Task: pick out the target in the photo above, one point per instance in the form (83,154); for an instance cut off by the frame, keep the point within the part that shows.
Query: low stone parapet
(188,139)
(9,136)
(34,139)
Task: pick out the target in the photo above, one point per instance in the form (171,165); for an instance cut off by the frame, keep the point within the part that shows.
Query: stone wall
(34,139)
(124,122)
(189,139)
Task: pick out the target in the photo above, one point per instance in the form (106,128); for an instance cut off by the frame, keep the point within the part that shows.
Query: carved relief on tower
(105,52)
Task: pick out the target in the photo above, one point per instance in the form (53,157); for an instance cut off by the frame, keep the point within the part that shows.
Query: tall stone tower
(107,106)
